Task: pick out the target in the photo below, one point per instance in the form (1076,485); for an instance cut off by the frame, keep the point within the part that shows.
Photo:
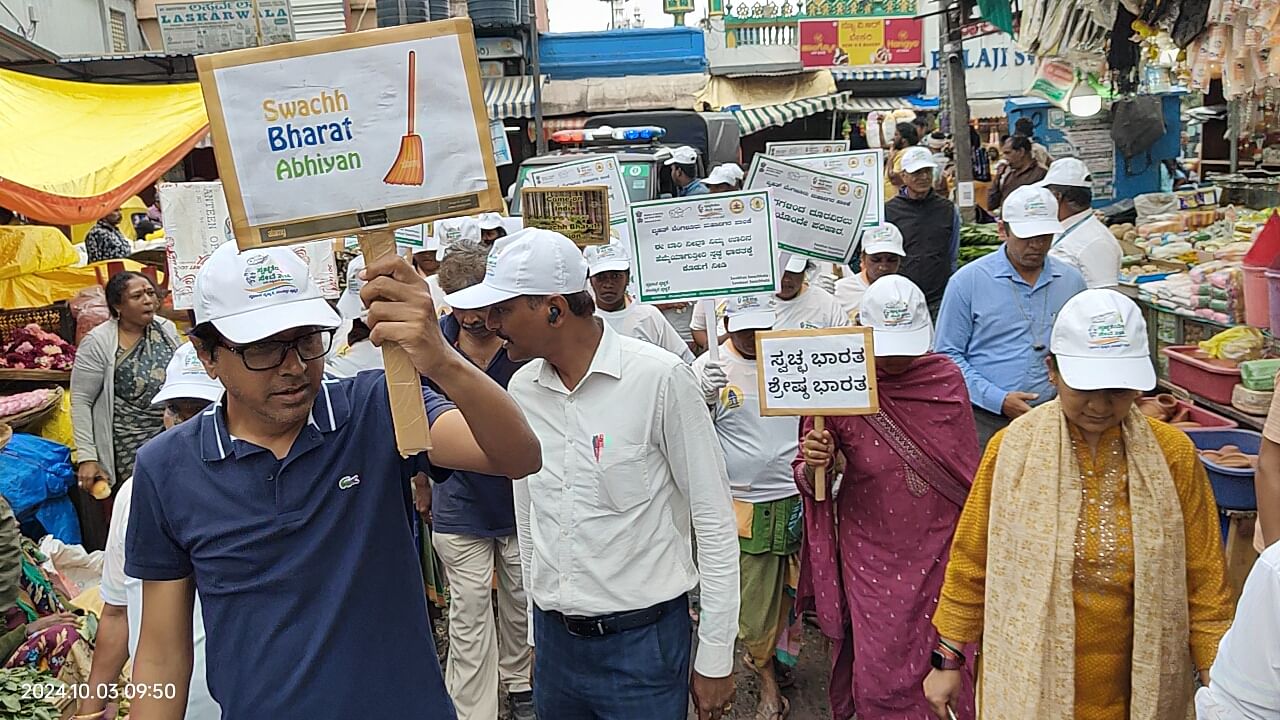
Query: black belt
(614,623)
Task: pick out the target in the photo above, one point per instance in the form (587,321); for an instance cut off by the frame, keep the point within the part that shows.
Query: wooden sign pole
(404,384)
(820,475)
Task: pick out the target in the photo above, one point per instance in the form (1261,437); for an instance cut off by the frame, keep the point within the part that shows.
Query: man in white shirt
(882,254)
(630,463)
(1245,678)
(610,272)
(798,304)
(1084,243)
(758,452)
(187,391)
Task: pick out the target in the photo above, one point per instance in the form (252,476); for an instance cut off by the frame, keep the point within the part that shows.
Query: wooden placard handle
(404,385)
(820,474)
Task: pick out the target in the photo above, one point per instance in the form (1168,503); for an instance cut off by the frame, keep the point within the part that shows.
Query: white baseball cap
(1031,211)
(916,158)
(606,258)
(1069,172)
(255,294)
(883,238)
(532,261)
(1100,342)
(720,175)
(750,312)
(349,305)
(683,155)
(185,377)
(896,311)
(797,264)
(489,221)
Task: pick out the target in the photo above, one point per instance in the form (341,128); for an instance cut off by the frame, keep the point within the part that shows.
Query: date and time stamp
(57,692)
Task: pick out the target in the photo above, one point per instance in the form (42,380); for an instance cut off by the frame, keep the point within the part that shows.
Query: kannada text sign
(818,214)
(864,165)
(817,372)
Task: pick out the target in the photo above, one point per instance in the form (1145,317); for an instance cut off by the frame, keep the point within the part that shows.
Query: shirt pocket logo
(623,479)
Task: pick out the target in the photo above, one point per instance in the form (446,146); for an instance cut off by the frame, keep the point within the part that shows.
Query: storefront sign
(496,48)
(704,246)
(197,222)
(579,213)
(864,165)
(832,43)
(817,372)
(994,67)
(600,170)
(818,214)
(798,148)
(327,137)
(205,27)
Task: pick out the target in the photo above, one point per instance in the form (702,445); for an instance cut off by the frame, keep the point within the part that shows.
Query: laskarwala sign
(833,43)
(328,137)
(204,27)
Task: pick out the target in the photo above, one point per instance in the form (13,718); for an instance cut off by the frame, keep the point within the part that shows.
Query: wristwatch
(943,661)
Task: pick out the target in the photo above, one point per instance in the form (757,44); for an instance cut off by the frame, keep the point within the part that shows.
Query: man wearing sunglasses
(288,504)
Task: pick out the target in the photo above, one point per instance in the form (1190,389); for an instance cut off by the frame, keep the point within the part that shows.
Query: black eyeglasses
(270,354)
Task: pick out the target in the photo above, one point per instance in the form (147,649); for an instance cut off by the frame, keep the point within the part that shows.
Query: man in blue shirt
(998,312)
(474,535)
(684,172)
(287,503)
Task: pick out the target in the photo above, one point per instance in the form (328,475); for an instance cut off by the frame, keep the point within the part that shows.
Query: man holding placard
(630,462)
(288,502)
(758,452)
(610,272)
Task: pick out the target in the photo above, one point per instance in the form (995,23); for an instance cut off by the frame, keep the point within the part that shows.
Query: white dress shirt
(1088,246)
(629,460)
(647,323)
(849,292)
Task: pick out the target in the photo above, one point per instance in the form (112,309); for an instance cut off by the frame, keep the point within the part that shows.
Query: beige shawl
(1029,637)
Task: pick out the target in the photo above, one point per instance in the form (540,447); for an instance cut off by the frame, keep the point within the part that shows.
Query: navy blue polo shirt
(307,567)
(471,503)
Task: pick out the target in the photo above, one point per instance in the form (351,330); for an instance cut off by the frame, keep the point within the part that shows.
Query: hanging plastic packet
(1054,80)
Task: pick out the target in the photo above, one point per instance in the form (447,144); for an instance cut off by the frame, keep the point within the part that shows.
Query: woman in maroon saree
(875,554)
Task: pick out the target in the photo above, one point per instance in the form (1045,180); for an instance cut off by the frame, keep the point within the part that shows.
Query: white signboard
(817,372)
(796,148)
(327,137)
(703,246)
(197,222)
(192,28)
(818,214)
(864,165)
(602,170)
(412,237)
(501,148)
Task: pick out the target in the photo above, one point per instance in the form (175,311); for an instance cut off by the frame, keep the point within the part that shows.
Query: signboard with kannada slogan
(816,373)
(818,214)
(337,135)
(864,165)
(704,246)
(797,148)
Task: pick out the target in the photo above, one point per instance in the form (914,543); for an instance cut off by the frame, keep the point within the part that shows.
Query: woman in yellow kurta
(1087,563)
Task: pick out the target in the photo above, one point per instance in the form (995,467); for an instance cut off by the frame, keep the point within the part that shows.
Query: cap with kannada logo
(895,310)
(606,258)
(883,238)
(1067,172)
(916,158)
(750,312)
(683,155)
(185,377)
(1031,212)
(252,295)
(1099,342)
(531,261)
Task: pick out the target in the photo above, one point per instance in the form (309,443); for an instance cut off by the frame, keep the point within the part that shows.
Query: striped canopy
(757,119)
(862,74)
(509,97)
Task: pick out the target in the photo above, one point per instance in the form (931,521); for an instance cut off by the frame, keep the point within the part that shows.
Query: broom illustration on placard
(407,169)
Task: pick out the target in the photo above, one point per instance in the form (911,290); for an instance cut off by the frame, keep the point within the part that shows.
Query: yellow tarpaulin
(759,91)
(48,287)
(74,151)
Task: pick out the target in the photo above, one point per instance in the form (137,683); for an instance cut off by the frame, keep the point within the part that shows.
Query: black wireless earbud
(553,314)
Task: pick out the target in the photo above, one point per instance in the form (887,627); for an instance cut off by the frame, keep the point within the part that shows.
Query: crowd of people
(602,488)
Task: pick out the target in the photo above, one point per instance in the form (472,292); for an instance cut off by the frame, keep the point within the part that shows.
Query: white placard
(964,194)
(197,222)
(864,165)
(413,237)
(796,148)
(817,372)
(621,228)
(703,246)
(601,170)
(501,148)
(366,130)
(818,214)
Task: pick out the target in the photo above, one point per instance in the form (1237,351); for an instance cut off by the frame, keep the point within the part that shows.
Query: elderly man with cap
(882,254)
(684,172)
(1084,243)
(758,452)
(798,304)
(491,228)
(287,503)
(610,272)
(187,391)
(999,310)
(630,463)
(930,227)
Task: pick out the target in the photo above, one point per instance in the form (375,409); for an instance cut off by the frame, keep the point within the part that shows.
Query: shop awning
(757,119)
(16,48)
(72,152)
(874,104)
(863,74)
(758,91)
(509,97)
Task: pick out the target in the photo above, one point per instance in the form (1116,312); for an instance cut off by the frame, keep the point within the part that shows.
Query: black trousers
(988,424)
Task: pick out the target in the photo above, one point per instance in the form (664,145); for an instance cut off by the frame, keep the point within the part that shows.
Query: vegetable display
(33,348)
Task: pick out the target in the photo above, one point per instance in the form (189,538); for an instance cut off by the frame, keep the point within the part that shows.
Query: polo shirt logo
(348,482)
